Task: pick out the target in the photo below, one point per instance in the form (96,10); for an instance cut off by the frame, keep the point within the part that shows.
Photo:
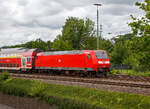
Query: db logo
(59,60)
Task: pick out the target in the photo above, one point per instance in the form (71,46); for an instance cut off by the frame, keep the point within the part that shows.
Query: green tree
(121,49)
(78,32)
(60,44)
(140,45)
(141,26)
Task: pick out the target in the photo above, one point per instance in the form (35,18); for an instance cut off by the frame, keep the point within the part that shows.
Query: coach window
(14,65)
(10,65)
(28,60)
(4,65)
(7,65)
(17,65)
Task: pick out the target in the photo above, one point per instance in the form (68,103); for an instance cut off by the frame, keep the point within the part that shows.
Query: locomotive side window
(89,56)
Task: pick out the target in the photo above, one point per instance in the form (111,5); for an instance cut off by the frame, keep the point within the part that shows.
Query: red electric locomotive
(84,62)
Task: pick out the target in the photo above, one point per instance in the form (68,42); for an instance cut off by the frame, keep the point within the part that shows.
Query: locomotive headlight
(107,62)
(100,62)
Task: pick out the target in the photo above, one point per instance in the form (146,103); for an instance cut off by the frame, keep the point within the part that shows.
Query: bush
(4,76)
(37,89)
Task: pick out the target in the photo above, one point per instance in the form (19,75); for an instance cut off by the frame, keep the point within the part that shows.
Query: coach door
(24,62)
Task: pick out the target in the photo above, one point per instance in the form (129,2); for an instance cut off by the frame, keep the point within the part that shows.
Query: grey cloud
(23,2)
(25,20)
(118,10)
(126,2)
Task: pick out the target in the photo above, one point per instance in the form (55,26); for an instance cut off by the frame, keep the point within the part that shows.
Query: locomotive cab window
(101,55)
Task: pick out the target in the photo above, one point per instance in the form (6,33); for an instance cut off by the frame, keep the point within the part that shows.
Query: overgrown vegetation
(68,97)
(131,73)
(132,49)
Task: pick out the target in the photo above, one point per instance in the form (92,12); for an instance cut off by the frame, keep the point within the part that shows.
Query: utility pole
(101,31)
(97,4)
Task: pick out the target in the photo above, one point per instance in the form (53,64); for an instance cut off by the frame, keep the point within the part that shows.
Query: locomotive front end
(103,61)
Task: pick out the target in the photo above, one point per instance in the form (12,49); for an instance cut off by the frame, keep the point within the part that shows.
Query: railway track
(129,78)
(105,81)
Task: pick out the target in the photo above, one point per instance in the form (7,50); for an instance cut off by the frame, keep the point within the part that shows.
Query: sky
(26,20)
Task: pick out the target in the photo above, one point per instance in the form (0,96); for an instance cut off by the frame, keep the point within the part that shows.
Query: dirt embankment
(23,102)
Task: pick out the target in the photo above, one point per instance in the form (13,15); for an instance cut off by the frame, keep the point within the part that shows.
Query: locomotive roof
(63,52)
(16,50)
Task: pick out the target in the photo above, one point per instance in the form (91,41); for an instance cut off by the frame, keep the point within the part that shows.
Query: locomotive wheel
(98,74)
(101,74)
(105,74)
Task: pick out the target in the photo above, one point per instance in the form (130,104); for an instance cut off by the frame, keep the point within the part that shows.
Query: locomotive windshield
(101,55)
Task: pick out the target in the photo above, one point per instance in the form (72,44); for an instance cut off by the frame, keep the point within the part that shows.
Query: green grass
(131,72)
(68,97)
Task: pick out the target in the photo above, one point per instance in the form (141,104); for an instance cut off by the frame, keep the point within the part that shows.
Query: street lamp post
(97,4)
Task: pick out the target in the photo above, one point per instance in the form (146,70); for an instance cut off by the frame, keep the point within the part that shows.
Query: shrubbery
(5,75)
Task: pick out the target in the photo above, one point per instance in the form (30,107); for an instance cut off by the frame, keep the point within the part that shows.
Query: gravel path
(22,103)
(5,107)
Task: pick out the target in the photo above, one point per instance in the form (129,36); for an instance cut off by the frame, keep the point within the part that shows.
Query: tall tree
(141,43)
(141,26)
(77,32)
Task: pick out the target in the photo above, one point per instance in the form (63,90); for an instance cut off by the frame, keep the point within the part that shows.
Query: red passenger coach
(16,59)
